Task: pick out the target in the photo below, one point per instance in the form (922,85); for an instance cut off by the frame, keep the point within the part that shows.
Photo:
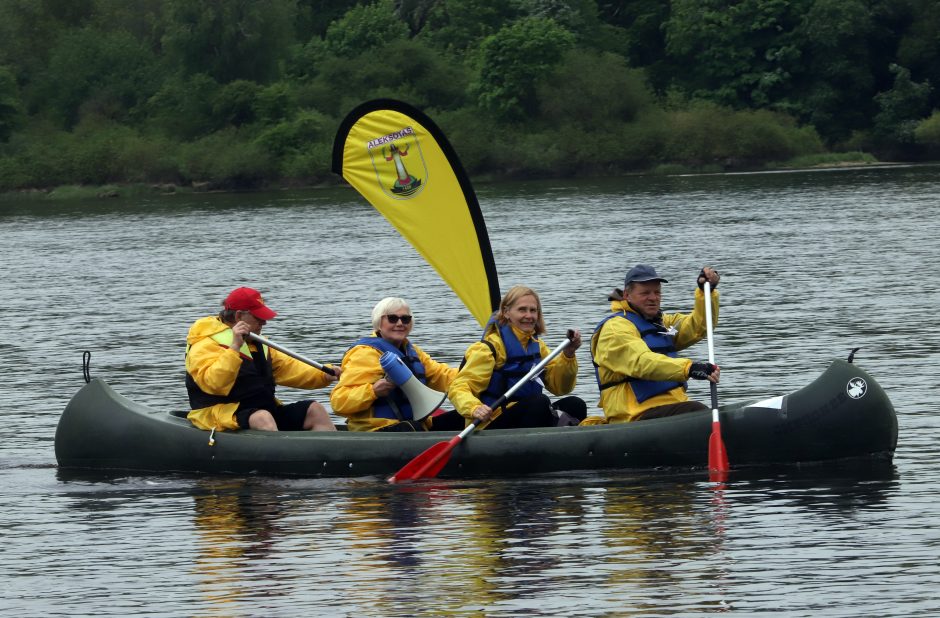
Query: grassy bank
(137,190)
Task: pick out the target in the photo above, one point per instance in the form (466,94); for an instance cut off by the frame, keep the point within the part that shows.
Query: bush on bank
(298,151)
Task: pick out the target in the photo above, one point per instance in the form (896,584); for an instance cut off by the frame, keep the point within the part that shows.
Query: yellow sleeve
(691,327)
(439,375)
(561,374)
(353,392)
(620,349)
(473,378)
(288,371)
(213,366)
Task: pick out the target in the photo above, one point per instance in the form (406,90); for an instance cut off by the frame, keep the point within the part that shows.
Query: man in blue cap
(635,349)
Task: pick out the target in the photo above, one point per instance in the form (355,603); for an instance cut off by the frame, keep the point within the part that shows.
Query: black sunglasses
(393,319)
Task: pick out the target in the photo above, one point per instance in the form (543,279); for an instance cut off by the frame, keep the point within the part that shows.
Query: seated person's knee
(262,419)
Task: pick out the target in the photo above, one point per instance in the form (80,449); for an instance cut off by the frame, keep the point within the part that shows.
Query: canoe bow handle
(852,354)
(86,366)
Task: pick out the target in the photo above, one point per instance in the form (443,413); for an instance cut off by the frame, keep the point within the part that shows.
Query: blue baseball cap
(642,273)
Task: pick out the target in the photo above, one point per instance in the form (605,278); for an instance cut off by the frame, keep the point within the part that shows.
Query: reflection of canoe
(843,415)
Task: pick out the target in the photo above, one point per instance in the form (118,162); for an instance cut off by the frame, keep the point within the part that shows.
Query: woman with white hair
(372,402)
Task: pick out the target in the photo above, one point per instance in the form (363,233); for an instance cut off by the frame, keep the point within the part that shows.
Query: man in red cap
(231,381)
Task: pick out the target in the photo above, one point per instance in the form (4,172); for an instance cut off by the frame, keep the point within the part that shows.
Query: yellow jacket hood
(205,327)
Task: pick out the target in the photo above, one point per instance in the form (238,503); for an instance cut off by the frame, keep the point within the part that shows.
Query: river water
(813,264)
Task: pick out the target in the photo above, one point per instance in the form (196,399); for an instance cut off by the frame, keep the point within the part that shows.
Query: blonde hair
(511,298)
(384,306)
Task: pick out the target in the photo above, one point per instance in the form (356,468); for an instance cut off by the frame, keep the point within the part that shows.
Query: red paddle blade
(717,455)
(425,465)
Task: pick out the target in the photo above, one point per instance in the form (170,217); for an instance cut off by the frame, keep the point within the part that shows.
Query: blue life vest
(395,405)
(656,339)
(518,363)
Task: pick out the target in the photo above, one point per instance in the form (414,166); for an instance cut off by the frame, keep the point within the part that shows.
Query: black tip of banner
(339,142)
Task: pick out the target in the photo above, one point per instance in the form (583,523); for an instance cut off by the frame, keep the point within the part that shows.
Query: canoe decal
(856,388)
(774,403)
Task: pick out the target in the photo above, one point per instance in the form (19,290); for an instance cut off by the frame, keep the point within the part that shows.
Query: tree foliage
(10,104)
(365,28)
(240,92)
(235,39)
(513,60)
(106,73)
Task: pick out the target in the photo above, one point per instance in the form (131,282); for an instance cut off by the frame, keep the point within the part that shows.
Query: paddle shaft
(711,345)
(717,454)
(438,455)
(300,357)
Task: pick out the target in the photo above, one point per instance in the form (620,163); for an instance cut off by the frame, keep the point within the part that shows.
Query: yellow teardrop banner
(400,161)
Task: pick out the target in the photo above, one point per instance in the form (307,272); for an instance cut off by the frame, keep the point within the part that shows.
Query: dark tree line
(241,93)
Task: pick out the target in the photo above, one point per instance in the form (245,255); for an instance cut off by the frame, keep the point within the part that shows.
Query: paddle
(717,455)
(432,460)
(301,358)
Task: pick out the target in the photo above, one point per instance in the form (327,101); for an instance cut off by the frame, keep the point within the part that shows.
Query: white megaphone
(423,399)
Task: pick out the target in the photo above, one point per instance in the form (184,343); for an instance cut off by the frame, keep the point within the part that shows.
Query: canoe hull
(825,421)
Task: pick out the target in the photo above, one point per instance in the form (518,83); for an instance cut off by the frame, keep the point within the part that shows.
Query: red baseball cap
(248,299)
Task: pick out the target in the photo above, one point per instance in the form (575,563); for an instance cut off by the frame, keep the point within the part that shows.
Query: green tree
(900,110)
(457,26)
(296,134)
(275,102)
(183,107)
(927,133)
(591,89)
(235,103)
(836,80)
(737,55)
(513,60)
(364,28)
(10,105)
(29,30)
(403,69)
(919,45)
(142,19)
(315,16)
(639,28)
(235,39)
(580,17)
(103,73)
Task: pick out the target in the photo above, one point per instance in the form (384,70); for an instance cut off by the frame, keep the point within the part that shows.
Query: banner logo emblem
(399,164)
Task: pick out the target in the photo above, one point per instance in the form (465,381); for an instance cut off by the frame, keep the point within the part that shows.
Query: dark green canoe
(843,415)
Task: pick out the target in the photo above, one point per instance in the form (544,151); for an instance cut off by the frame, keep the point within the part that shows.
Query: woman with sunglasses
(372,402)
(509,348)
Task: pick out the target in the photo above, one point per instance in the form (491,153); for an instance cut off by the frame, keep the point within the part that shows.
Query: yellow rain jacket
(559,377)
(353,396)
(619,352)
(215,366)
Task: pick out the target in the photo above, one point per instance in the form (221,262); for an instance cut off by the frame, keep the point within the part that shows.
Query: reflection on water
(662,544)
(812,264)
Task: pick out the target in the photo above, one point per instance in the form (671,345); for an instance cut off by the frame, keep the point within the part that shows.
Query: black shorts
(288,418)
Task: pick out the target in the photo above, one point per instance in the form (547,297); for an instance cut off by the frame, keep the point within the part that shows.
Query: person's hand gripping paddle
(432,460)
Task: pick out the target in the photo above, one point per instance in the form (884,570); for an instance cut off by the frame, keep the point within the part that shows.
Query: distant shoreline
(111,191)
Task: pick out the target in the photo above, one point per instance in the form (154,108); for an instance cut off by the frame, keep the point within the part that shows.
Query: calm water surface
(813,265)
